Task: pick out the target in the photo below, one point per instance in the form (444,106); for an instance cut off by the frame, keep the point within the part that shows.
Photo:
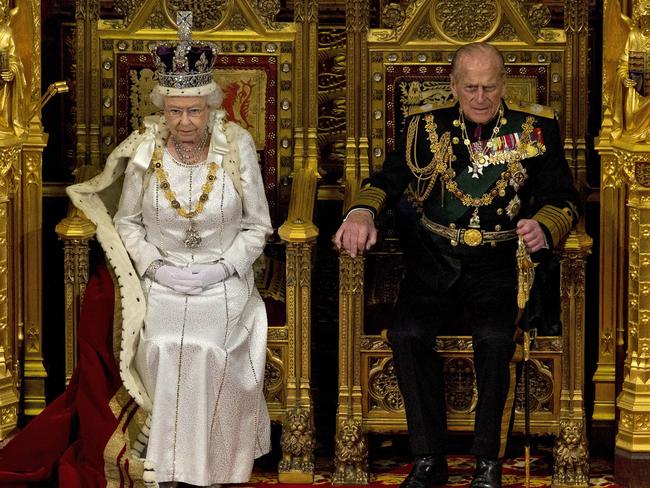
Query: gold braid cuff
(371,197)
(558,221)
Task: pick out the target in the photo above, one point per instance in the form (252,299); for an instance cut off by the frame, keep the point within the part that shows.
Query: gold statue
(627,71)
(13,84)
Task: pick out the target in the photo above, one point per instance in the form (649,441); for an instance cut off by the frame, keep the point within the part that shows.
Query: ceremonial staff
(525,279)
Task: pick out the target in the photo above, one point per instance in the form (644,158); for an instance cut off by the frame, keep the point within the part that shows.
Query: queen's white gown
(201,357)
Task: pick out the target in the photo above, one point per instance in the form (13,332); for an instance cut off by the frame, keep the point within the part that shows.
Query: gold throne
(404,67)
(264,72)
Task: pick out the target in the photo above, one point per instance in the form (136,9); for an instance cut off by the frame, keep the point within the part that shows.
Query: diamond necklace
(191,155)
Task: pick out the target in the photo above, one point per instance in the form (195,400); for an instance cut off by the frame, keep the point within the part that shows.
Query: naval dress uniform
(471,185)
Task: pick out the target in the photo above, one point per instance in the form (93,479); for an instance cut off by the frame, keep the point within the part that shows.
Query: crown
(188,63)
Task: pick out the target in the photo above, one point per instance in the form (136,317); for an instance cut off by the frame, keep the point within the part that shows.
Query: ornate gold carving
(642,173)
(33,340)
(351,454)
(274,375)
(466,20)
(207,13)
(457,343)
(392,34)
(157,19)
(541,387)
(351,282)
(127,8)
(237,22)
(8,416)
(278,334)
(297,441)
(539,16)
(461,392)
(9,169)
(374,343)
(142,83)
(505,33)
(571,455)
(14,95)
(393,15)
(268,9)
(425,32)
(607,343)
(627,420)
(32,174)
(383,388)
(642,421)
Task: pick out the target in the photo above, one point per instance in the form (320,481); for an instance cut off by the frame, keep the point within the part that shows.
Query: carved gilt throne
(404,66)
(264,72)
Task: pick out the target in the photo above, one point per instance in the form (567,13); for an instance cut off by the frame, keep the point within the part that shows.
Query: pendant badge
(192,237)
(475,221)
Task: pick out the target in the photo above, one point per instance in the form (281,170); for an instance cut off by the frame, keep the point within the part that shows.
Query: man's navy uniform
(460,250)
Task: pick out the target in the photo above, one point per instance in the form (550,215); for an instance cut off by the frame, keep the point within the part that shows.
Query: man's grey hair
(476,48)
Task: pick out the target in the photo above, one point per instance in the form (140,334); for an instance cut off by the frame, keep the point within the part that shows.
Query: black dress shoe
(487,475)
(426,472)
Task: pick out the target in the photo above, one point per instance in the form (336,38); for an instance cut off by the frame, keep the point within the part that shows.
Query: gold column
(34,373)
(75,231)
(633,437)
(611,281)
(31,208)
(357,166)
(570,452)
(11,331)
(299,234)
(351,447)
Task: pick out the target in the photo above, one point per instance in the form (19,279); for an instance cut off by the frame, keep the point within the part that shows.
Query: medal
(475,221)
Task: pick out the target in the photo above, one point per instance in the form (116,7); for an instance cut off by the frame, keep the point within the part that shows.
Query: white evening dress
(201,357)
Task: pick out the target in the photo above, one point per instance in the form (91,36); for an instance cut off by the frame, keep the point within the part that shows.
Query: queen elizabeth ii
(191,220)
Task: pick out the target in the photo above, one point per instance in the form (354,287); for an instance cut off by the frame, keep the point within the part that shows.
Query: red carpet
(390,473)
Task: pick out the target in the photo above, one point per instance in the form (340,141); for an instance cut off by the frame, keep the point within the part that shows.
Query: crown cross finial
(184,24)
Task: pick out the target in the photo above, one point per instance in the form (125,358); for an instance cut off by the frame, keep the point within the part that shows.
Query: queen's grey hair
(212,92)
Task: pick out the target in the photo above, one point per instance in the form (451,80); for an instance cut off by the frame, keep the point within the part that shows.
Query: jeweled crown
(186,64)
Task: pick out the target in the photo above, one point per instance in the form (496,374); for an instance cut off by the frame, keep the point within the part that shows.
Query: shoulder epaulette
(532,108)
(429,107)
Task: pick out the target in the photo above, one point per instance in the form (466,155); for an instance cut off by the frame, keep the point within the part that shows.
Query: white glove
(209,274)
(181,280)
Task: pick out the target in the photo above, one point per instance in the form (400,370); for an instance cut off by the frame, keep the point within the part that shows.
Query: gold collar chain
(162,177)
(479,159)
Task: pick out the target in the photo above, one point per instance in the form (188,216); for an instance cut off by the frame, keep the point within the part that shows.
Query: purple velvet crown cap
(167,53)
(184,65)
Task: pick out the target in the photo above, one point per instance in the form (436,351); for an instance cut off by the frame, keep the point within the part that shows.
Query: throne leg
(297,443)
(351,454)
(571,456)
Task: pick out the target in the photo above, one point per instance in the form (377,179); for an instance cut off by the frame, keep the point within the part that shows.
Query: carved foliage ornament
(126,8)
(206,14)
(382,386)
(466,20)
(393,15)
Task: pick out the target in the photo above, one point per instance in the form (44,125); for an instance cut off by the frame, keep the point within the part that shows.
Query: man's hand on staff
(532,234)
(357,234)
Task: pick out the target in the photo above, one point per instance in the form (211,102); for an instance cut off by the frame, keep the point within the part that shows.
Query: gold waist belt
(469,237)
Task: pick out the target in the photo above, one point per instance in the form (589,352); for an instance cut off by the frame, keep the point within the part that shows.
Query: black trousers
(483,290)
